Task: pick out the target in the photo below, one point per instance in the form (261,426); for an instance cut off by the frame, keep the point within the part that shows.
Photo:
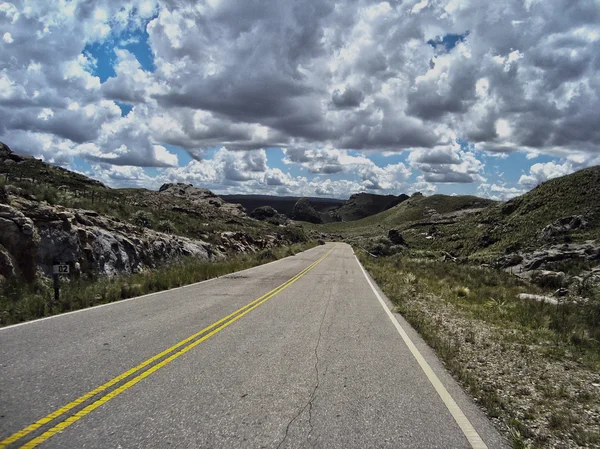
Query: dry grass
(533,367)
(20,302)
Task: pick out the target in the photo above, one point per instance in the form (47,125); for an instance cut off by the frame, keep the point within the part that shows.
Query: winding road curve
(299,353)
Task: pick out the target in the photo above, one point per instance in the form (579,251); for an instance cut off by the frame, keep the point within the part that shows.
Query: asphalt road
(317,363)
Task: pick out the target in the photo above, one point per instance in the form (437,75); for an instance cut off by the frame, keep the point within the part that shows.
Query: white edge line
(121,301)
(458,415)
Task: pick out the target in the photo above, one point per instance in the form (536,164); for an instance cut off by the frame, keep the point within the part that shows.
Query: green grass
(402,215)
(20,302)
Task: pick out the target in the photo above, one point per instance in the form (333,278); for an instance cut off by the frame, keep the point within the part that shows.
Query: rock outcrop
(563,226)
(34,236)
(304,211)
(18,243)
(270,214)
(201,199)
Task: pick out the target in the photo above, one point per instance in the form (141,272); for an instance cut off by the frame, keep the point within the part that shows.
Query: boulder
(549,278)
(263,212)
(563,226)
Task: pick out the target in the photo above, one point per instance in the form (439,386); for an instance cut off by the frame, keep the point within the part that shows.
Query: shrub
(142,219)
(266,255)
(166,226)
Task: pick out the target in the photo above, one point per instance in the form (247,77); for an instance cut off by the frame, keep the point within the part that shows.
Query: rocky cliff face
(34,236)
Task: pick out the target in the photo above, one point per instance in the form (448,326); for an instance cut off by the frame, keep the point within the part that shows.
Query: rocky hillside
(363,205)
(15,167)
(50,215)
(551,234)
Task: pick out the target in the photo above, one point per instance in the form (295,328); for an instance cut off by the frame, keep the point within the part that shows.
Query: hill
(554,227)
(560,211)
(327,210)
(414,211)
(363,205)
(49,214)
(283,204)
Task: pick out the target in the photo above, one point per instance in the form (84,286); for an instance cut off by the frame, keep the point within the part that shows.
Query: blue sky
(414,97)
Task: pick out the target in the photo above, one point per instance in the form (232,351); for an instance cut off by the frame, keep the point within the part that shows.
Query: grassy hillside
(416,209)
(521,221)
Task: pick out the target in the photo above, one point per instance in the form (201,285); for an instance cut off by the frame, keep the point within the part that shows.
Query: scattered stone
(540,298)
(563,226)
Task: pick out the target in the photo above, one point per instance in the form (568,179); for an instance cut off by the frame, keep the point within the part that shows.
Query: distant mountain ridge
(321,210)
(283,204)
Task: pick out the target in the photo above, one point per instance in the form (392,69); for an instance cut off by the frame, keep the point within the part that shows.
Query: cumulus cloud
(499,192)
(329,161)
(249,171)
(322,80)
(542,172)
(448,164)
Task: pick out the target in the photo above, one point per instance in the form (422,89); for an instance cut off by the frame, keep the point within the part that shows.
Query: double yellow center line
(175,351)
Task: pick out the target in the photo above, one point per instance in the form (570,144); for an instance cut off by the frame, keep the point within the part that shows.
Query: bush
(142,219)
(266,255)
(165,226)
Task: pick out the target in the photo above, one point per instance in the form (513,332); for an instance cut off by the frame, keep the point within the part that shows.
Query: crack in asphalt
(314,392)
(313,395)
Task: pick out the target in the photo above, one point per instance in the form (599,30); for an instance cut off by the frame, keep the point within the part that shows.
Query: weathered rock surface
(202,200)
(19,241)
(35,236)
(563,226)
(589,250)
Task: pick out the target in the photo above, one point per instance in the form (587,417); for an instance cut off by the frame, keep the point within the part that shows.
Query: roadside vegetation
(22,302)
(533,366)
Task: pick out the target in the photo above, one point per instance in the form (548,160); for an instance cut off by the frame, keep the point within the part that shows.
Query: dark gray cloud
(350,98)
(449,177)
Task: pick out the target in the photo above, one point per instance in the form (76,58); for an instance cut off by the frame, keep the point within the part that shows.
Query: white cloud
(331,77)
(499,192)
(448,164)
(542,172)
